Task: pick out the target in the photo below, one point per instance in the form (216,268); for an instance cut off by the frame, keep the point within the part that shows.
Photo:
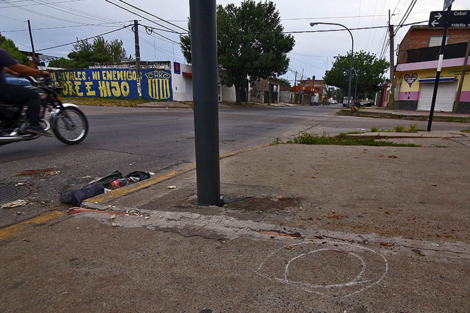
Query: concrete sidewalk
(303,229)
(379,112)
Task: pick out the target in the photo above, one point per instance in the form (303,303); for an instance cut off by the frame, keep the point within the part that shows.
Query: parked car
(10,79)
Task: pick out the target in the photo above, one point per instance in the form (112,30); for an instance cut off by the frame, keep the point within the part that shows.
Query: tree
(251,43)
(85,53)
(62,62)
(368,69)
(10,47)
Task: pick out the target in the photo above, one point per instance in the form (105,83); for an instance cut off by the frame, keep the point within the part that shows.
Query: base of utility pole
(205,98)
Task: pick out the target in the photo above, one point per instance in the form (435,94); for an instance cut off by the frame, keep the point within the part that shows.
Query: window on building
(436,41)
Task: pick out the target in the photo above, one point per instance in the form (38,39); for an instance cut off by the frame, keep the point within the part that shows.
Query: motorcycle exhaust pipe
(5,140)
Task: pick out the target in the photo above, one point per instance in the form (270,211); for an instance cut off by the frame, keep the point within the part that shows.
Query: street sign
(459,19)
(447,4)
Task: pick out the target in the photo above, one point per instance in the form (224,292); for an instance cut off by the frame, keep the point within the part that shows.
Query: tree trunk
(237,94)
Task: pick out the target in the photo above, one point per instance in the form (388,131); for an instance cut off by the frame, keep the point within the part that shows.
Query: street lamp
(352,53)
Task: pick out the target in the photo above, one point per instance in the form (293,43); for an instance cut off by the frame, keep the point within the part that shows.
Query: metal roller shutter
(445,97)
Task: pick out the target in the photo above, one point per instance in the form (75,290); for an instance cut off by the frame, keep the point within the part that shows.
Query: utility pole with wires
(31,38)
(137,57)
(392,62)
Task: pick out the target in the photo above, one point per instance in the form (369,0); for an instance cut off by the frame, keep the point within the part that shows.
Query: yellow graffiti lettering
(125,89)
(77,89)
(115,89)
(70,87)
(88,88)
(104,89)
(65,92)
(95,75)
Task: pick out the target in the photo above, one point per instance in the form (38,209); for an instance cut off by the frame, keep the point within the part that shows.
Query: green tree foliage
(251,43)
(62,62)
(9,45)
(85,53)
(369,69)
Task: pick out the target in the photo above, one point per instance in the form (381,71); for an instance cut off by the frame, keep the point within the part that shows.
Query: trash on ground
(171,187)
(98,186)
(15,204)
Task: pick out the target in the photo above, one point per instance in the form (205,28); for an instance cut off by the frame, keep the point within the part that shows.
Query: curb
(400,116)
(91,202)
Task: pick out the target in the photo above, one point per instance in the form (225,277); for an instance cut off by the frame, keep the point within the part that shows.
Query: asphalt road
(155,140)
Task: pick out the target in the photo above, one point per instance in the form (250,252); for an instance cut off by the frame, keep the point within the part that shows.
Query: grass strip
(341,139)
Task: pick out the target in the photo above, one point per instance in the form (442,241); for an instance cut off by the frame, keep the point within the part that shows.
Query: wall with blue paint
(115,83)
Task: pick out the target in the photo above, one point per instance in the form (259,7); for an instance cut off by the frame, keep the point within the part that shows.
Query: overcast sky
(58,22)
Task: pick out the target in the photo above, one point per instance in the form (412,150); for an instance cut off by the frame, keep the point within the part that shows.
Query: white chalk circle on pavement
(331,269)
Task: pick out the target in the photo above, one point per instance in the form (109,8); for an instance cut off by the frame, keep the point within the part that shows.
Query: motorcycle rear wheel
(70,126)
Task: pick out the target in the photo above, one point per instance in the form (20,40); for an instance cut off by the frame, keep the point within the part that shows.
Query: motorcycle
(68,123)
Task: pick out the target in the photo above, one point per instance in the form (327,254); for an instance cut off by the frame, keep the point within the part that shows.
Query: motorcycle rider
(15,94)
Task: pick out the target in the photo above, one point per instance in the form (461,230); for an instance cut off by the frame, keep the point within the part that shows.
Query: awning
(187,74)
(433,80)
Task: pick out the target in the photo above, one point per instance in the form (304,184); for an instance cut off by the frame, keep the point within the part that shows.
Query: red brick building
(423,37)
(416,69)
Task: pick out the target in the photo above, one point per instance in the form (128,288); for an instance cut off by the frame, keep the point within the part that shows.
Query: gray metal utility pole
(137,57)
(203,16)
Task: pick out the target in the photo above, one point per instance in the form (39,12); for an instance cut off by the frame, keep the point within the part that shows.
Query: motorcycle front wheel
(70,126)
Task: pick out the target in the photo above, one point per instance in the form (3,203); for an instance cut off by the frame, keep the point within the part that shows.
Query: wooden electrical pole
(137,57)
(392,62)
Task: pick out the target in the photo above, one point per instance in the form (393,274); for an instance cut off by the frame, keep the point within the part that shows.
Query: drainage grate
(9,192)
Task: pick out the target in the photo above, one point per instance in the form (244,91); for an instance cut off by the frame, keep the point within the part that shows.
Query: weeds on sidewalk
(399,129)
(342,139)
(466,130)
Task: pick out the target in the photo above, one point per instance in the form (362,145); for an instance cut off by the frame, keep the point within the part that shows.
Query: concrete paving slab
(304,229)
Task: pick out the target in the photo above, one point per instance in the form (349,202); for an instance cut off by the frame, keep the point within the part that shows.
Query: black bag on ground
(137,176)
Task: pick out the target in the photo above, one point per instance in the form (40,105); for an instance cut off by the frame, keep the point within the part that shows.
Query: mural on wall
(115,83)
(97,83)
(156,85)
(410,79)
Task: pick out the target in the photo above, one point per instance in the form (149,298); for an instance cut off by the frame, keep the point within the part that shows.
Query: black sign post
(439,67)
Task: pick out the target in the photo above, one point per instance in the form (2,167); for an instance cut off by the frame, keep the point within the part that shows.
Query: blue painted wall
(115,83)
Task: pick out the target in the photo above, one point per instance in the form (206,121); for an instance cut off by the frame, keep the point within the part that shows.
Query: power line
(29,5)
(130,11)
(60,27)
(406,15)
(66,9)
(46,15)
(71,43)
(150,30)
(154,15)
